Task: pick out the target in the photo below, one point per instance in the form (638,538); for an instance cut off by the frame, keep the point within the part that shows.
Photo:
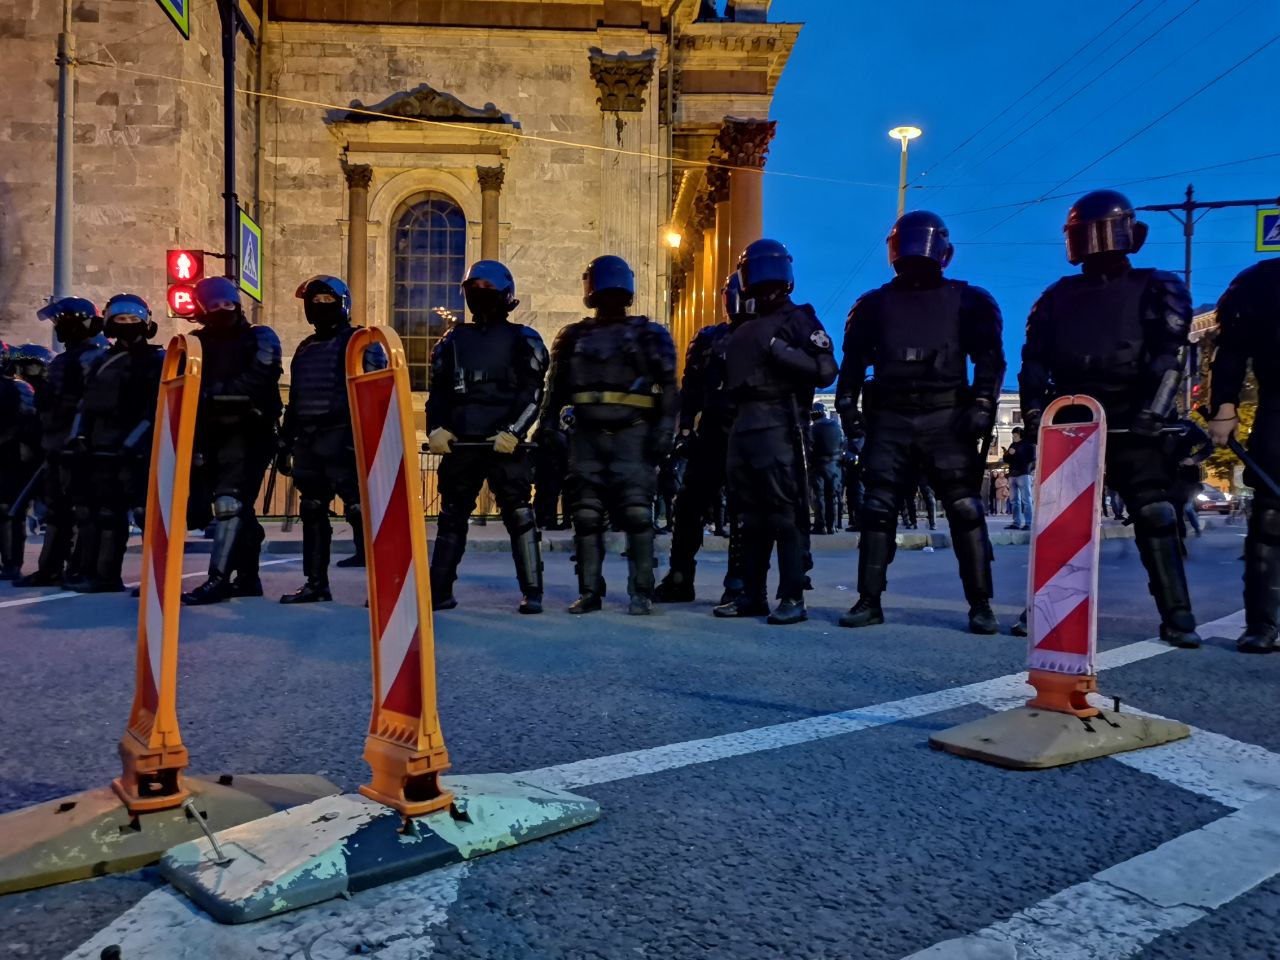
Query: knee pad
(587,520)
(878,510)
(1264,525)
(225,507)
(965,514)
(519,520)
(1154,519)
(636,519)
(313,509)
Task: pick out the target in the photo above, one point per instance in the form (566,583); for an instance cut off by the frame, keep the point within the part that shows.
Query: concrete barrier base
(341,845)
(91,834)
(1029,739)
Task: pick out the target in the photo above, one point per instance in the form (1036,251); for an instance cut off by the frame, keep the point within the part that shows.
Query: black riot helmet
(218,302)
(764,267)
(326,301)
(73,318)
(128,316)
(1103,221)
(31,361)
(736,306)
(608,274)
(819,411)
(489,289)
(920,233)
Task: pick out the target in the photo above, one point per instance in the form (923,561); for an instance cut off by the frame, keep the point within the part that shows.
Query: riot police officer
(773,363)
(851,478)
(918,332)
(19,435)
(316,443)
(116,423)
(78,326)
(1249,329)
(486,389)
(1119,334)
(618,371)
(235,434)
(827,443)
(706,414)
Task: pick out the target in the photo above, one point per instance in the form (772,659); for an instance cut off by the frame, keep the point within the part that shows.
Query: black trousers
(768,494)
(1262,545)
(825,484)
(233,458)
(704,479)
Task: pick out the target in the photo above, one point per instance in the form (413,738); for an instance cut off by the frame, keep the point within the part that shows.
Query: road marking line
(66,596)
(387,916)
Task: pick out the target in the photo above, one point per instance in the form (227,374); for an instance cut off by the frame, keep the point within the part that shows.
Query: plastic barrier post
(409,819)
(151,748)
(1059,725)
(405,747)
(151,806)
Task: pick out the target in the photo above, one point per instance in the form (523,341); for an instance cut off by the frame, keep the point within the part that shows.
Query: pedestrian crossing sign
(179,11)
(1268,231)
(250,257)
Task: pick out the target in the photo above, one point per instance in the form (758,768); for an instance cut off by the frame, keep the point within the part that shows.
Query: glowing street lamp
(903,135)
(671,237)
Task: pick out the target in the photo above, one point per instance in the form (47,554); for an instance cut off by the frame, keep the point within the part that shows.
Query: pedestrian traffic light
(185,268)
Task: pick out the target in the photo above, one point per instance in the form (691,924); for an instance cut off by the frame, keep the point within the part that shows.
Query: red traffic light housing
(185,266)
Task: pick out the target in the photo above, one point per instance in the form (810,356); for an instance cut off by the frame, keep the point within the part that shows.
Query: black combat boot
(789,612)
(317,535)
(102,575)
(1261,583)
(753,601)
(640,563)
(1156,532)
(589,560)
(53,557)
(972,545)
(526,551)
(217,588)
(13,540)
(446,554)
(356,521)
(876,549)
(246,581)
(865,613)
(676,587)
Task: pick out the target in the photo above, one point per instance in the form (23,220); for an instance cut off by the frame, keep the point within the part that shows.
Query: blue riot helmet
(736,307)
(605,274)
(1103,221)
(31,361)
(765,264)
(217,301)
(819,410)
(326,301)
(73,318)
(567,419)
(128,315)
(489,289)
(921,234)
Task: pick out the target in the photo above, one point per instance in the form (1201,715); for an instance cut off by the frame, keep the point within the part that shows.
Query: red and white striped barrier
(1062,614)
(151,748)
(405,747)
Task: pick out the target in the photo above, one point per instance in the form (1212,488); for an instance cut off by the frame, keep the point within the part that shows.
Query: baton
(18,507)
(1236,447)
(476,444)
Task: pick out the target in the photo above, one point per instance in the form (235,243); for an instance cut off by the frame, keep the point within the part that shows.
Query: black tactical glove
(1148,423)
(977,419)
(854,424)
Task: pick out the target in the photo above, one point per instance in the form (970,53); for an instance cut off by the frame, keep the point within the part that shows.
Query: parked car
(1212,500)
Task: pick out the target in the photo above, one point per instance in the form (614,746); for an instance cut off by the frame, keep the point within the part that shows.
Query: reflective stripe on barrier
(1062,615)
(151,748)
(405,747)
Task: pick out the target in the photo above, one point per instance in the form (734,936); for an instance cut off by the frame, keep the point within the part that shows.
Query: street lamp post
(903,135)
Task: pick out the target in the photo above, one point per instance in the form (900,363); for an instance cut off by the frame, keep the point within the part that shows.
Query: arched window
(429,248)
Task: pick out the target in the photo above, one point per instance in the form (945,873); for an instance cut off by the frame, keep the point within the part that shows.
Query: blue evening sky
(949,67)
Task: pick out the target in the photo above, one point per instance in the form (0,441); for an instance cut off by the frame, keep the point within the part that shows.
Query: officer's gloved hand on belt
(1148,423)
(440,440)
(504,441)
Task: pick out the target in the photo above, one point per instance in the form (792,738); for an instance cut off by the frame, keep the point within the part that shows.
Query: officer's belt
(642,400)
(883,397)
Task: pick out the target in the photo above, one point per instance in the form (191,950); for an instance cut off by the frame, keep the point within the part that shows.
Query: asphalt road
(864,845)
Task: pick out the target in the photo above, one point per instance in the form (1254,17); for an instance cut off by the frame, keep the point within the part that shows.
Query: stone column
(705,219)
(744,143)
(359,176)
(491,179)
(718,190)
(625,230)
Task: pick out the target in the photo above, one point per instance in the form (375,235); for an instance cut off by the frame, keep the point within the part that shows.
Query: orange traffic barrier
(405,746)
(1062,618)
(151,748)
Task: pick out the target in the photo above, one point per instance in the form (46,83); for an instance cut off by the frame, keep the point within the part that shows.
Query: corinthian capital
(622,78)
(745,142)
(491,178)
(359,175)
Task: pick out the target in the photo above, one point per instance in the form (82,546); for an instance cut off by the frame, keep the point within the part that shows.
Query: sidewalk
(491,537)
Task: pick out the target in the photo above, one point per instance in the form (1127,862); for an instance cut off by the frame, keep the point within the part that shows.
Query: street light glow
(672,238)
(905,133)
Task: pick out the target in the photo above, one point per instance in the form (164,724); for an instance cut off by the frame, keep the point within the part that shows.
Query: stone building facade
(397,140)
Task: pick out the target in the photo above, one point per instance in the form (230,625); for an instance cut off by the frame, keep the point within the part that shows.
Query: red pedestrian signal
(182,300)
(184,268)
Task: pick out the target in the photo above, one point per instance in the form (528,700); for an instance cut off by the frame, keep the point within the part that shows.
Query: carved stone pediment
(423,102)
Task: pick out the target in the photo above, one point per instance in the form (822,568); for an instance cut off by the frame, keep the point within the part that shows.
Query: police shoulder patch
(820,339)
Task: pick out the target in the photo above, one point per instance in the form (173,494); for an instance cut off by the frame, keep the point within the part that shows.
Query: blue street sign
(250,257)
(1268,231)
(179,12)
